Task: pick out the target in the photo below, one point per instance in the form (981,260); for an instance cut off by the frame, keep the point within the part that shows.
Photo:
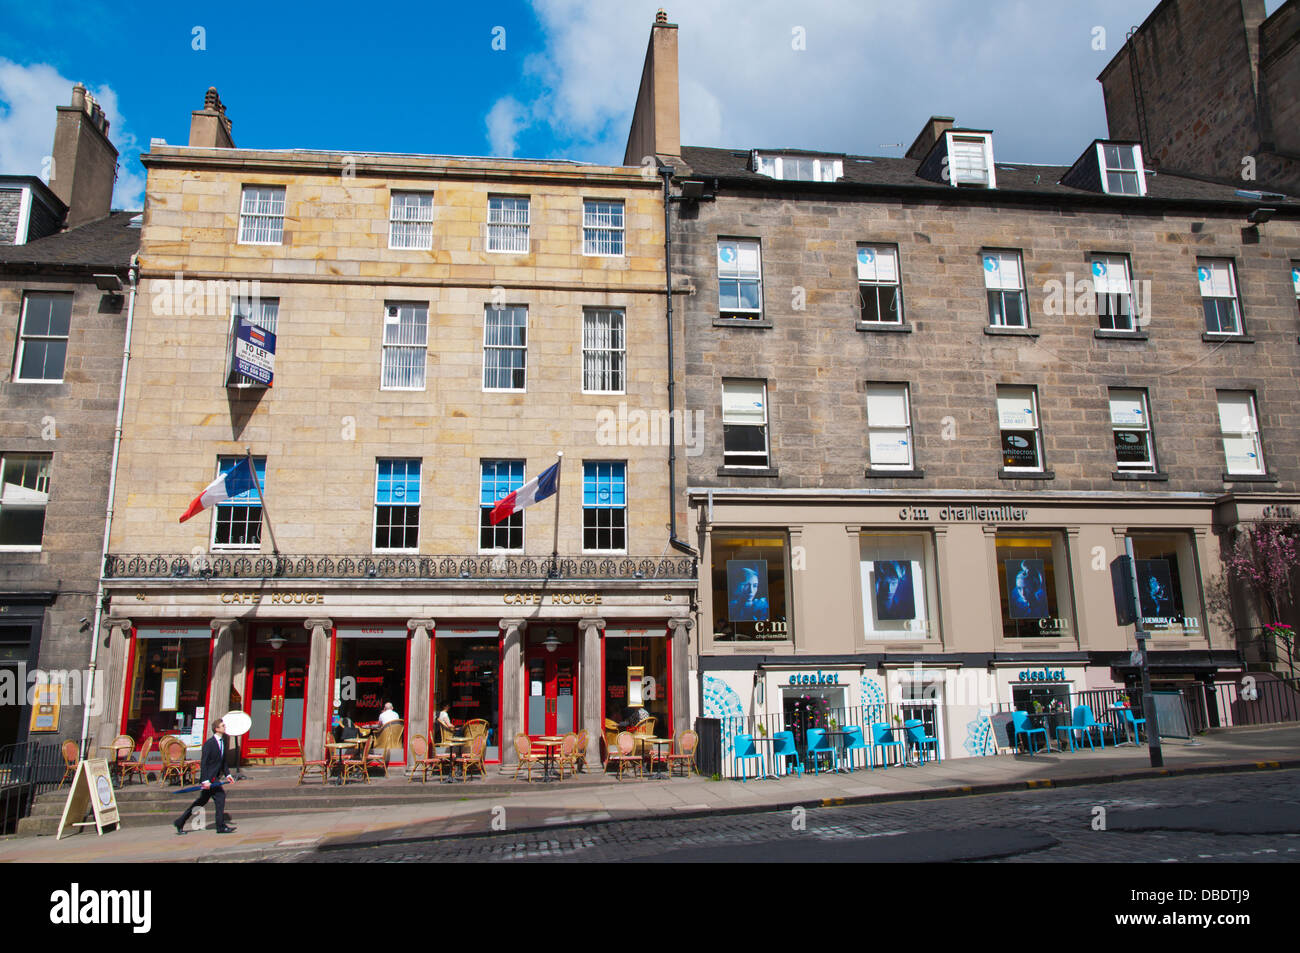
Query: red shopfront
(370,667)
(168,667)
(636,676)
(466,676)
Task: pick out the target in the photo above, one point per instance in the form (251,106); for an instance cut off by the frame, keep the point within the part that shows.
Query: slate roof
(106,243)
(891,173)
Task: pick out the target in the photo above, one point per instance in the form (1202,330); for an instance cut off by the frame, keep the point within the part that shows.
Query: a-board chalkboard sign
(1171,716)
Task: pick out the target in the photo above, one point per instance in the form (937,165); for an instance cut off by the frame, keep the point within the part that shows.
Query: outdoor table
(452,744)
(550,743)
(839,737)
(1130,731)
(656,743)
(765,740)
(115,765)
(340,747)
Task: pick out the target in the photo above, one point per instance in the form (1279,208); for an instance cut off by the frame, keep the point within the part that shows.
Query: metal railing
(27,770)
(1254,699)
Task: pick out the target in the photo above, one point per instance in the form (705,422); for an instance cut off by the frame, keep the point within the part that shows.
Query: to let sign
(255,353)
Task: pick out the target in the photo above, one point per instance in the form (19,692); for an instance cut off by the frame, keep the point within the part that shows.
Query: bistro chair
(172,752)
(882,739)
(1020,726)
(687,744)
(580,751)
(474,728)
(745,751)
(138,768)
(71,755)
(626,756)
(819,744)
(306,767)
(1084,721)
(527,757)
(919,739)
(386,740)
(783,747)
(853,741)
(357,765)
(610,736)
(121,755)
(645,728)
(420,760)
(568,754)
(474,759)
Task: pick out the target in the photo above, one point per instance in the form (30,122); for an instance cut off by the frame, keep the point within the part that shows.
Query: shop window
(169,684)
(637,678)
(1168,587)
(898,585)
(466,677)
(237,523)
(750,588)
(369,671)
(1033,585)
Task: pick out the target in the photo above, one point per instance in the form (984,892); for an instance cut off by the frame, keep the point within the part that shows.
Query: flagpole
(266,515)
(555,544)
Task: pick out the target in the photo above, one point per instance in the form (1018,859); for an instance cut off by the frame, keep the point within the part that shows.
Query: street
(1202,819)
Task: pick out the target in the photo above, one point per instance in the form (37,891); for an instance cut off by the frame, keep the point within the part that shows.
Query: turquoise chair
(783,747)
(1020,726)
(881,738)
(1131,724)
(819,744)
(854,741)
(916,734)
(745,750)
(1082,720)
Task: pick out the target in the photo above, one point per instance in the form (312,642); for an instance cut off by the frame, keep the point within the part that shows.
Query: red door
(552,701)
(277,699)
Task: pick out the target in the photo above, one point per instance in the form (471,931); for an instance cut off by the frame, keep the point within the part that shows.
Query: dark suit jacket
(212,766)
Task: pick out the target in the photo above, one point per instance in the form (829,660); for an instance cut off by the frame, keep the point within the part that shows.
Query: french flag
(239,480)
(534,491)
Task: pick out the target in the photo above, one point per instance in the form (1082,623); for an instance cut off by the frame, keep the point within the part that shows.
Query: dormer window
(1121,168)
(799,168)
(970,160)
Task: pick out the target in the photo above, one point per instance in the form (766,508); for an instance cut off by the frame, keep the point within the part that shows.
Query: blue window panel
(398,483)
(500,477)
(604,484)
(226,464)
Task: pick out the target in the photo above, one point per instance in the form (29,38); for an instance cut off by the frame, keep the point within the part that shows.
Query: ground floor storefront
(308,657)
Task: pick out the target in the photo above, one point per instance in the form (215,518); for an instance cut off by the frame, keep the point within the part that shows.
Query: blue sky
(425,77)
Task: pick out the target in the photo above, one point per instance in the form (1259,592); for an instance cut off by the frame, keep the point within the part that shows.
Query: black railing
(1106,705)
(26,771)
(233,566)
(1255,698)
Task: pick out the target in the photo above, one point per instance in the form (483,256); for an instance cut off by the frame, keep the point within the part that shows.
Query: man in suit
(213,774)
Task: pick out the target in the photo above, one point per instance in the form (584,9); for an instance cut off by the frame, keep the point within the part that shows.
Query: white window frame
(1144,426)
(614,355)
(374,516)
(410,220)
(251,219)
(489,347)
(627,529)
(990,180)
(501,222)
(1104,285)
(598,227)
(1249,431)
(1136,152)
(24,337)
(1234,297)
(1005,391)
(522,514)
(266,315)
(255,500)
(825,169)
(409,337)
(25,498)
(874,281)
(738,275)
(1001,254)
(729,455)
(881,428)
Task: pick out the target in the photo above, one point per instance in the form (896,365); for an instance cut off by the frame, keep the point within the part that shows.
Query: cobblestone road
(1241,818)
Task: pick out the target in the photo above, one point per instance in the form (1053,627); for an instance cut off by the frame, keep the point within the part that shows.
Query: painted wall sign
(551,598)
(1043,675)
(965,514)
(273,598)
(815,678)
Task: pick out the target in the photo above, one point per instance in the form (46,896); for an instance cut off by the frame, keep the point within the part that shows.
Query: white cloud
(28,97)
(504,121)
(869,73)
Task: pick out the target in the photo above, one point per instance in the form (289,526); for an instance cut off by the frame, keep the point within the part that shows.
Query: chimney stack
(209,126)
(85,162)
(935,128)
(656,123)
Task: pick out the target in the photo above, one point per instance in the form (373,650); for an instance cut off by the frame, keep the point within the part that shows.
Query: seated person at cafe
(635,716)
(388,714)
(445,728)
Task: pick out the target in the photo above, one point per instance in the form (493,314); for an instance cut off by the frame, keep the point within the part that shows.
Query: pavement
(519,807)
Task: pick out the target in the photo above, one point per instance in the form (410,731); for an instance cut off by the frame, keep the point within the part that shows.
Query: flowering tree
(1264,560)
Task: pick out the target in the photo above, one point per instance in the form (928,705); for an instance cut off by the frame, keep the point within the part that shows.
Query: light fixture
(552,641)
(277,639)
(1261,215)
(110,283)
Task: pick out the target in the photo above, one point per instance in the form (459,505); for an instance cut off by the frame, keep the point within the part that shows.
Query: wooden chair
(388,738)
(686,746)
(475,728)
(625,755)
(568,754)
(527,757)
(580,752)
(645,728)
(310,767)
(474,759)
(172,752)
(357,765)
(71,755)
(121,755)
(138,768)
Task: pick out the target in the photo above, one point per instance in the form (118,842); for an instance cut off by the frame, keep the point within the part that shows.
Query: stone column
(320,682)
(1080,565)
(590,691)
(110,684)
(222,675)
(681,629)
(417,714)
(512,696)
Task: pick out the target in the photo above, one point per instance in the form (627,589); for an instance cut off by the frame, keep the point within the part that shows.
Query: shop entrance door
(277,696)
(552,700)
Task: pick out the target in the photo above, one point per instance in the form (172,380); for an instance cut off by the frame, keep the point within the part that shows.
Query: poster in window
(747,584)
(1019,449)
(1026,589)
(1130,446)
(1155,589)
(47,701)
(895,598)
(171,686)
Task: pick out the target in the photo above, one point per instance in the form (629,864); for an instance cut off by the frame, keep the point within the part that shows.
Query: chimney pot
(78,96)
(661,16)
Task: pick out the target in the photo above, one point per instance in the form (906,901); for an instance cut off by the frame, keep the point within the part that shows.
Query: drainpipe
(133,276)
(678,544)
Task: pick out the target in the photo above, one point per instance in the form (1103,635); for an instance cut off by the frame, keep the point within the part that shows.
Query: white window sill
(216,548)
(595,254)
(281,242)
(409,248)
(20,549)
(505,390)
(605,393)
(409,390)
(36,380)
(394,552)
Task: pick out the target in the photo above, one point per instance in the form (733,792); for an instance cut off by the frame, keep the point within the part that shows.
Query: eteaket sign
(815,678)
(1043,675)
